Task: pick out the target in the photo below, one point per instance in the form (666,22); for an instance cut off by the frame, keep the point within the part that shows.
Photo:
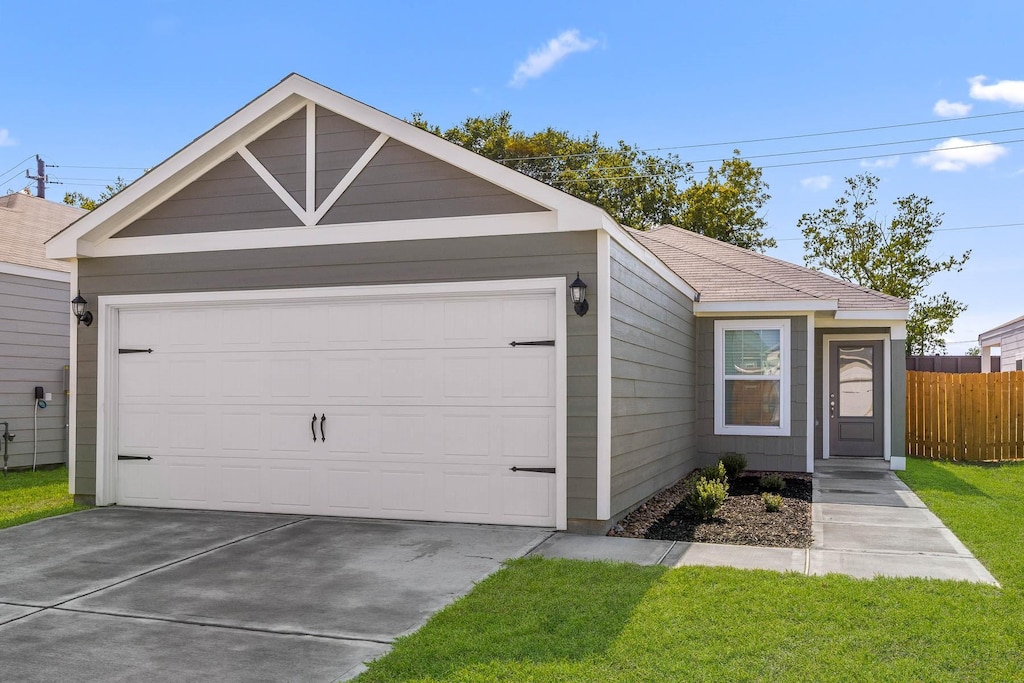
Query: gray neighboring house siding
(436,260)
(782,453)
(653,363)
(897,380)
(34,339)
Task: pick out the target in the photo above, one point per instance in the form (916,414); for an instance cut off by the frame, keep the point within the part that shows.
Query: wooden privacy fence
(973,417)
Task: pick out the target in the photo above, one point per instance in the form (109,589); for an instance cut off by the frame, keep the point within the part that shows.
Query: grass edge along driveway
(26,496)
(562,620)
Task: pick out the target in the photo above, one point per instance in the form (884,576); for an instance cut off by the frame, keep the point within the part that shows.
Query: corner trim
(604,377)
(810,392)
(898,462)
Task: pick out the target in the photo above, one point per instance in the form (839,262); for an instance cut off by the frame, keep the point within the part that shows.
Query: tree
(850,242)
(973,351)
(80,200)
(635,187)
(727,205)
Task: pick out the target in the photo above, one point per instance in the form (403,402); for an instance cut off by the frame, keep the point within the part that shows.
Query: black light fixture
(78,308)
(578,294)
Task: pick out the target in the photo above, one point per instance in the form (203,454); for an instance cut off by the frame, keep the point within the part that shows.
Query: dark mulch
(742,519)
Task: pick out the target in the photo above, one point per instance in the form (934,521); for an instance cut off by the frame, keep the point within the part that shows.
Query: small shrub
(772,482)
(734,464)
(714,472)
(707,496)
(772,502)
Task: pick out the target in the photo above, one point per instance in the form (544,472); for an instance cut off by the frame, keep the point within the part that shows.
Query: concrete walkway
(866,523)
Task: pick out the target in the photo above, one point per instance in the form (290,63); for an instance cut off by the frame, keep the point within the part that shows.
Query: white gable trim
(275,186)
(353,172)
(277,104)
(34,272)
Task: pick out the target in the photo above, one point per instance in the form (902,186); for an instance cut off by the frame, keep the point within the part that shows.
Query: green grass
(560,620)
(26,496)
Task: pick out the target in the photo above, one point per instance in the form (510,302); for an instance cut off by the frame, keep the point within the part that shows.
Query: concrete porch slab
(685,554)
(604,548)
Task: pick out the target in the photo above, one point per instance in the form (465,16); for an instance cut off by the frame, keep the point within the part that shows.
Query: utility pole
(39,177)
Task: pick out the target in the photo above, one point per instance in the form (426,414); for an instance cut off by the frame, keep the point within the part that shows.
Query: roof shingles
(723,272)
(26,222)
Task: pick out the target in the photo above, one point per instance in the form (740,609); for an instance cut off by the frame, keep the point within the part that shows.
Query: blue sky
(126,84)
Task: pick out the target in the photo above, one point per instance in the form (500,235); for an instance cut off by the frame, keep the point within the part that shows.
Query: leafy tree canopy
(80,200)
(635,187)
(890,256)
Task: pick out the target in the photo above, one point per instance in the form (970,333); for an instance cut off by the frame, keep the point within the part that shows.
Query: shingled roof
(726,273)
(26,222)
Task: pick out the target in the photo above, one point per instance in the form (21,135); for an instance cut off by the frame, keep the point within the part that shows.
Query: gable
(317,167)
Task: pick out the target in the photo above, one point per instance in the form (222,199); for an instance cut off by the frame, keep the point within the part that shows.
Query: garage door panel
(426,408)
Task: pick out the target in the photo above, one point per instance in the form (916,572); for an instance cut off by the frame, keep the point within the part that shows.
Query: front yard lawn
(560,620)
(26,496)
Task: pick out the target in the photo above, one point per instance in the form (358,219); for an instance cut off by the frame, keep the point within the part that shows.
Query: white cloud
(1006,91)
(817,183)
(5,138)
(884,162)
(956,154)
(951,109)
(539,62)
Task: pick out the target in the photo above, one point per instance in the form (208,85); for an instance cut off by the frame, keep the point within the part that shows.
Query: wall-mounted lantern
(578,294)
(78,305)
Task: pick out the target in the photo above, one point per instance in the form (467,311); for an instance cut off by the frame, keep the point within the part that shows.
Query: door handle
(312,426)
(831,405)
(323,419)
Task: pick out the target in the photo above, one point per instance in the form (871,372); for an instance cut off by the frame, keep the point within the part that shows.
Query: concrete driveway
(123,594)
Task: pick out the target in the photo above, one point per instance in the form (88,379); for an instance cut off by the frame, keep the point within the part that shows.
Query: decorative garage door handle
(135,350)
(134,457)
(312,426)
(323,436)
(545,470)
(546,342)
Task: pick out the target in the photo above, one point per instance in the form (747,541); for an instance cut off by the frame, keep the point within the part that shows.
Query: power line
(16,167)
(966,227)
(104,168)
(803,163)
(780,137)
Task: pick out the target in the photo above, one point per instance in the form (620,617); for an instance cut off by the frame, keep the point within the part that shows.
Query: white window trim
(785,393)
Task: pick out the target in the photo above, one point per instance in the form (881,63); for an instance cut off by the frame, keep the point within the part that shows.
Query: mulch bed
(742,519)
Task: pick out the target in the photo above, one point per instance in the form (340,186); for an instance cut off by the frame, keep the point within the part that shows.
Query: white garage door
(413,408)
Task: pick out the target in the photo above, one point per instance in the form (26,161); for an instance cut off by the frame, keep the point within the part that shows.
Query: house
(34,324)
(1009,337)
(318,308)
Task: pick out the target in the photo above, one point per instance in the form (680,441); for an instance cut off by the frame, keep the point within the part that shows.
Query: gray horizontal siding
(34,335)
(653,339)
(404,183)
(780,453)
(483,258)
(282,151)
(339,144)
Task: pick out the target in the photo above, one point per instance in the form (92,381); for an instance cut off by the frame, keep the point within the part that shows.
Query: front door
(856,401)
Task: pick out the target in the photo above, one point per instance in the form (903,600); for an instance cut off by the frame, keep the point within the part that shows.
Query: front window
(752,377)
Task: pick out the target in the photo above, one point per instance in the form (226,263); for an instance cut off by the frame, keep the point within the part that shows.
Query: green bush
(707,496)
(734,464)
(772,502)
(772,482)
(714,472)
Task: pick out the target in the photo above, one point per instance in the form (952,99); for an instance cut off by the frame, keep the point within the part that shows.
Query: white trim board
(604,377)
(34,272)
(810,392)
(778,307)
(108,308)
(826,340)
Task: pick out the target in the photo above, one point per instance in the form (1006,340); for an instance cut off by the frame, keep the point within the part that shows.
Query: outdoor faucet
(4,439)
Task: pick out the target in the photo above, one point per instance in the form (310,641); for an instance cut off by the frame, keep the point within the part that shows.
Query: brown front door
(856,402)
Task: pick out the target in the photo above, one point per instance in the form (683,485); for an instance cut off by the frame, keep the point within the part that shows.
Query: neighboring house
(34,323)
(318,308)
(1009,337)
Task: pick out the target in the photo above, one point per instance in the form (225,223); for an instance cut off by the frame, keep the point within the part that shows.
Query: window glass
(856,385)
(753,352)
(752,403)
